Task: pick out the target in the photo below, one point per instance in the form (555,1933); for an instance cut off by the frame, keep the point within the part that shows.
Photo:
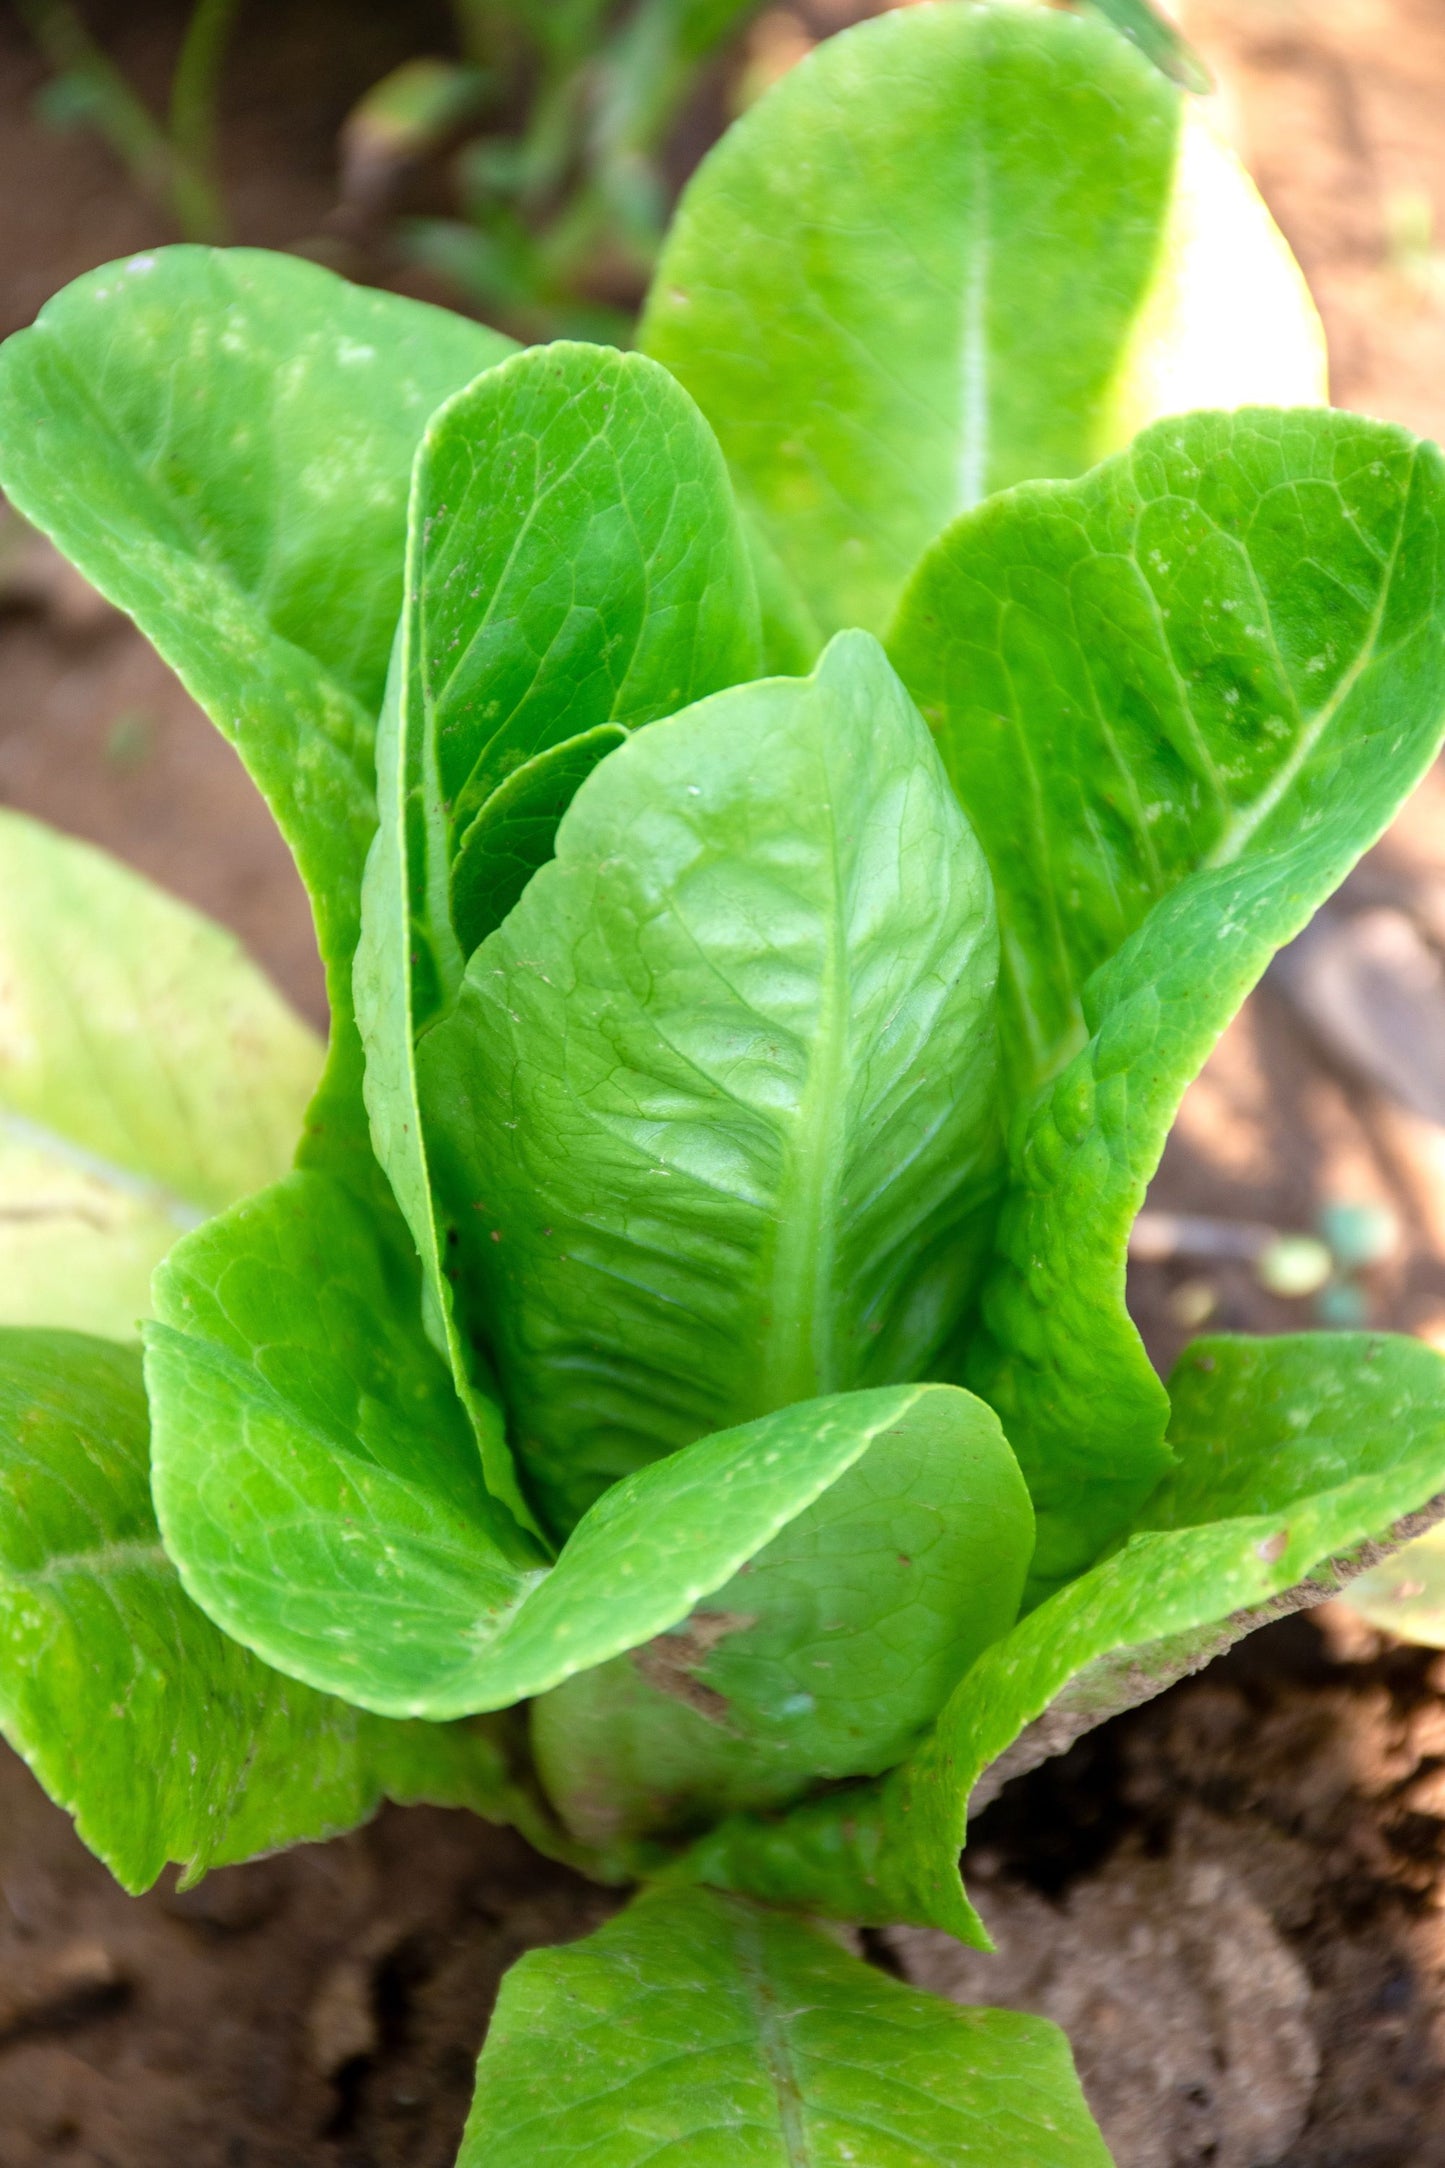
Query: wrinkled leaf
(221,441)
(316,1476)
(317,1486)
(149,1075)
(165,1739)
(697,2027)
(1296,1458)
(1178,699)
(954,248)
(712,1122)
(575,568)
(824,1658)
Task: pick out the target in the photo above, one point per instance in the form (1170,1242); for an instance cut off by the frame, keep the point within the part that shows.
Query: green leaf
(516,829)
(164,1739)
(955,248)
(316,1476)
(149,1075)
(1178,699)
(702,2028)
(221,440)
(824,1658)
(575,568)
(1296,1458)
(712,1123)
(317,1484)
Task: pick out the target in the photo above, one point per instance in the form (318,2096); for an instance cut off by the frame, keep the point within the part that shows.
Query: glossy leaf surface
(824,1657)
(1178,699)
(221,441)
(954,248)
(575,568)
(1296,1458)
(149,1076)
(317,1484)
(165,1739)
(724,1081)
(700,2027)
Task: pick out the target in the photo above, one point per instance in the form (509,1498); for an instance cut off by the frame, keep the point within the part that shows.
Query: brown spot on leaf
(671,1661)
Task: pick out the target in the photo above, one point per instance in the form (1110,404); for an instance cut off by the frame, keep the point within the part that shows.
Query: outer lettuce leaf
(1178,699)
(165,1739)
(713,1121)
(709,2030)
(575,567)
(316,1483)
(825,1657)
(149,1075)
(703,2028)
(955,248)
(1297,1459)
(221,441)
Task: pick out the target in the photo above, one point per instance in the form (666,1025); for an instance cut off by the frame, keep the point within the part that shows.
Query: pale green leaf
(712,1123)
(221,441)
(1405,1593)
(149,1076)
(824,1658)
(165,1739)
(575,568)
(703,2029)
(956,247)
(317,1485)
(1296,1459)
(1178,699)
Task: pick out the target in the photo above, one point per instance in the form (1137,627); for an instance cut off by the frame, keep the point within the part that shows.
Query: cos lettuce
(787,812)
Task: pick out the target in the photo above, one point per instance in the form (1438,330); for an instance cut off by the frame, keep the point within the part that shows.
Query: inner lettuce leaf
(713,1121)
(825,1657)
(1297,1461)
(575,568)
(317,1485)
(221,440)
(1178,698)
(955,248)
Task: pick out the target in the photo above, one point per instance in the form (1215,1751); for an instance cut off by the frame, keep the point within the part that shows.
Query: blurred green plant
(555,121)
(561,180)
(171,160)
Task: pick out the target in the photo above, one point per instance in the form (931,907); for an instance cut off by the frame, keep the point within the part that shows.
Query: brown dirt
(1234,1901)
(1234,1898)
(317,2010)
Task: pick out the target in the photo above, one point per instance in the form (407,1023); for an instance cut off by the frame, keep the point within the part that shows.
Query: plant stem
(196,190)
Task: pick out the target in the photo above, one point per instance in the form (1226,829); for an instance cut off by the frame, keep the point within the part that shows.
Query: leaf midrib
(204,553)
(101,1562)
(800,1350)
(183,1213)
(1241,830)
(774,2045)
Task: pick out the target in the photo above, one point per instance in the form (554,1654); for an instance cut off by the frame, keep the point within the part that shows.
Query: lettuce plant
(787,812)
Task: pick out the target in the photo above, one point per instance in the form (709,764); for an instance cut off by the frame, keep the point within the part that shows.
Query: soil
(1233,1898)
